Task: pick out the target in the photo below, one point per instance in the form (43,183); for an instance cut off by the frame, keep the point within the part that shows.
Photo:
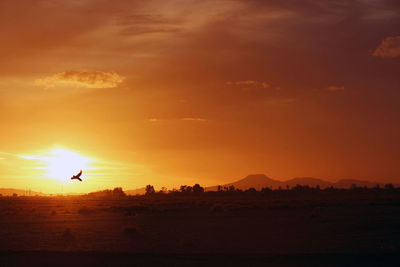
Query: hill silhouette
(19,192)
(259,181)
(256,181)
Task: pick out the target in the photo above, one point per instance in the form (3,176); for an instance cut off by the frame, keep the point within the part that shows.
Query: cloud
(181,119)
(334,88)
(388,48)
(193,119)
(250,83)
(88,79)
(137,24)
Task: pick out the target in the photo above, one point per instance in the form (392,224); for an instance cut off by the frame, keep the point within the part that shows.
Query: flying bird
(78,176)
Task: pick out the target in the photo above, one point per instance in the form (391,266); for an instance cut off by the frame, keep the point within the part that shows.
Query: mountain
(257,181)
(19,192)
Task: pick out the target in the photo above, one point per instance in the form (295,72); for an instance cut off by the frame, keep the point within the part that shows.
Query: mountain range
(258,181)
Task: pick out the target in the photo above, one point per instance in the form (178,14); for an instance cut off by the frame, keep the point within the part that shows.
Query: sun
(61,163)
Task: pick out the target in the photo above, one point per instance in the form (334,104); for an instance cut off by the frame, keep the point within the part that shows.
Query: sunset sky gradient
(183,91)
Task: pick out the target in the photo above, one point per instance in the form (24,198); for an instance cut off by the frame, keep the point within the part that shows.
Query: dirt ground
(251,228)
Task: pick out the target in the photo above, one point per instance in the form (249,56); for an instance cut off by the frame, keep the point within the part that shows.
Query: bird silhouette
(77,177)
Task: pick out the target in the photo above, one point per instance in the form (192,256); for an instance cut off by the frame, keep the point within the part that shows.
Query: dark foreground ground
(340,229)
(41,258)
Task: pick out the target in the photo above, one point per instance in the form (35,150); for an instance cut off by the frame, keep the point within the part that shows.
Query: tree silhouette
(183,188)
(150,190)
(118,193)
(389,186)
(198,189)
(163,190)
(251,190)
(189,189)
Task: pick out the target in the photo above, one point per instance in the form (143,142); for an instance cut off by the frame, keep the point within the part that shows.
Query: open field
(193,226)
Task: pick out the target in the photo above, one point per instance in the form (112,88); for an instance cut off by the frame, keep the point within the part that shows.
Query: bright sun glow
(61,163)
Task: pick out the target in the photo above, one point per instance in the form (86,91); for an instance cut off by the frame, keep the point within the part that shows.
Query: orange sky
(179,92)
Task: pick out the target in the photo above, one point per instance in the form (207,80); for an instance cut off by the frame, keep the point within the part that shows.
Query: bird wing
(79,174)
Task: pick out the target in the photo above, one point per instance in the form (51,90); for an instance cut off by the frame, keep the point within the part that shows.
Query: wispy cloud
(388,48)
(88,79)
(250,83)
(193,119)
(136,24)
(180,119)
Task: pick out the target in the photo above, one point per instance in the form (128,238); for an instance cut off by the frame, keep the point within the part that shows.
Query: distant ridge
(19,192)
(259,181)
